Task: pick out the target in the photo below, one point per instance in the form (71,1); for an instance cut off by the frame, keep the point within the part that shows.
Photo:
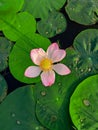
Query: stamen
(46,64)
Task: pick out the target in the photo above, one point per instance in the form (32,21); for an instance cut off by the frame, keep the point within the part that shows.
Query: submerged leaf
(54,24)
(83,57)
(3,88)
(83,11)
(5,49)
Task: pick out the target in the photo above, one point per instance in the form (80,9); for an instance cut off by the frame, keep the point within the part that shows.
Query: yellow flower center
(46,64)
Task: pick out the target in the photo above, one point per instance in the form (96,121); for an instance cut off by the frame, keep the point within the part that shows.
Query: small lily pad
(84,104)
(20,26)
(82,58)
(18,111)
(54,24)
(40,9)
(5,49)
(3,88)
(83,11)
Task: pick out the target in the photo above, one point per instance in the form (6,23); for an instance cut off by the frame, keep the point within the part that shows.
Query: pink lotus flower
(45,64)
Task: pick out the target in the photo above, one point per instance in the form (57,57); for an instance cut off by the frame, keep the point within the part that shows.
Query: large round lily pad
(82,58)
(54,24)
(52,108)
(84,104)
(20,59)
(40,9)
(5,49)
(3,88)
(83,11)
(18,111)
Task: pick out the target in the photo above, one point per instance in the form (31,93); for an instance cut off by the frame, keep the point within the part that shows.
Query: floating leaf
(20,56)
(14,5)
(53,25)
(52,107)
(8,9)
(83,58)
(83,11)
(5,49)
(84,104)
(18,111)
(3,88)
(40,9)
(23,24)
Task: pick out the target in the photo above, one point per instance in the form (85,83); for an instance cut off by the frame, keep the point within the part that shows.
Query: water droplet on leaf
(13,114)
(61,17)
(53,118)
(47,32)
(57,99)
(86,102)
(18,122)
(89,69)
(43,93)
(81,70)
(58,30)
(60,84)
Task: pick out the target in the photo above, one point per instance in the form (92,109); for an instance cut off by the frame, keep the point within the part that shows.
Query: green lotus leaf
(52,108)
(84,104)
(23,24)
(5,49)
(8,9)
(18,111)
(20,59)
(82,58)
(40,9)
(3,88)
(11,5)
(54,24)
(83,11)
